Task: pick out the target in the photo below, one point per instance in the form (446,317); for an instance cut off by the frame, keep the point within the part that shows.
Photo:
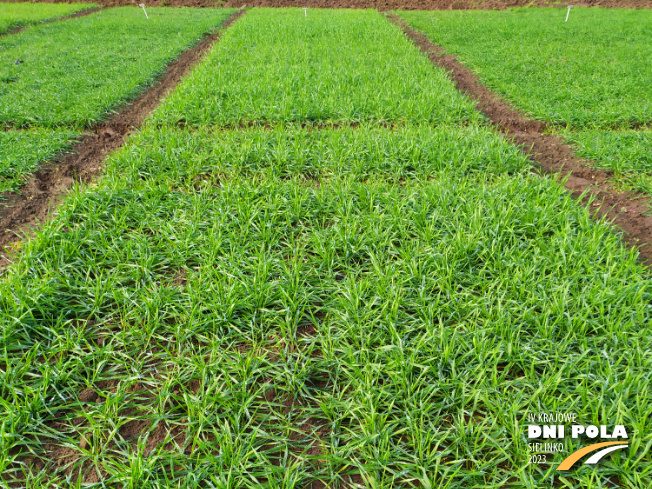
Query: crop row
(378,303)
(13,15)
(205,157)
(588,77)
(441,307)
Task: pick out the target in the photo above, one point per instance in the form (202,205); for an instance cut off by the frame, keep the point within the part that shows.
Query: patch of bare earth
(550,152)
(44,190)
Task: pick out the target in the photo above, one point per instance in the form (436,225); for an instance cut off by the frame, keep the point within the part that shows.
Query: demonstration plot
(258,325)
(75,72)
(13,15)
(627,153)
(21,152)
(283,65)
(592,71)
(378,303)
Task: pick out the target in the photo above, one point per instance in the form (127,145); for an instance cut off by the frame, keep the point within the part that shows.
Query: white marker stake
(568,12)
(305,11)
(142,5)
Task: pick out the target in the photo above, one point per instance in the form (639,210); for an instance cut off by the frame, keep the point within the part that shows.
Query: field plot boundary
(74,15)
(550,152)
(384,5)
(44,189)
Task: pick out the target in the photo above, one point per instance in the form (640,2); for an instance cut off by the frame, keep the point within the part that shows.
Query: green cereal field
(316,263)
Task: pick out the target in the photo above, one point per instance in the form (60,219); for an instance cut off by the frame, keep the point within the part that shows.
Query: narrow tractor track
(44,190)
(550,152)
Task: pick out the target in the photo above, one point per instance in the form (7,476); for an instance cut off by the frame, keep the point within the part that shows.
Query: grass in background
(21,152)
(592,71)
(75,72)
(329,66)
(263,328)
(627,153)
(13,15)
(588,78)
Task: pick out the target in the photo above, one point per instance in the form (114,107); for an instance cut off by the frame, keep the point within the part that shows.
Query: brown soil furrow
(385,5)
(377,4)
(82,13)
(626,210)
(43,191)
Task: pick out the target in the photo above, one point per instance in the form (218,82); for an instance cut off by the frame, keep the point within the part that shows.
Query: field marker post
(568,12)
(305,11)
(142,5)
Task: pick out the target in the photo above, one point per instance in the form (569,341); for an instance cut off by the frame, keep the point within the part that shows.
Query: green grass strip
(75,72)
(329,66)
(13,15)
(627,153)
(592,71)
(445,307)
(21,152)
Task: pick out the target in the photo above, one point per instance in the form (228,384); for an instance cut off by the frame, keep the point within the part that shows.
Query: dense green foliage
(68,77)
(627,153)
(589,77)
(167,156)
(336,66)
(62,75)
(283,306)
(14,15)
(22,151)
(593,71)
(442,307)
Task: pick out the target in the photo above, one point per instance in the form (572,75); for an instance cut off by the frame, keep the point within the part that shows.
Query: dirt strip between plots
(626,210)
(44,190)
(376,4)
(81,13)
(384,5)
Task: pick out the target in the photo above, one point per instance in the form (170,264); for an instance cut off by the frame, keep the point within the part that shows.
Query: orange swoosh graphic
(574,457)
